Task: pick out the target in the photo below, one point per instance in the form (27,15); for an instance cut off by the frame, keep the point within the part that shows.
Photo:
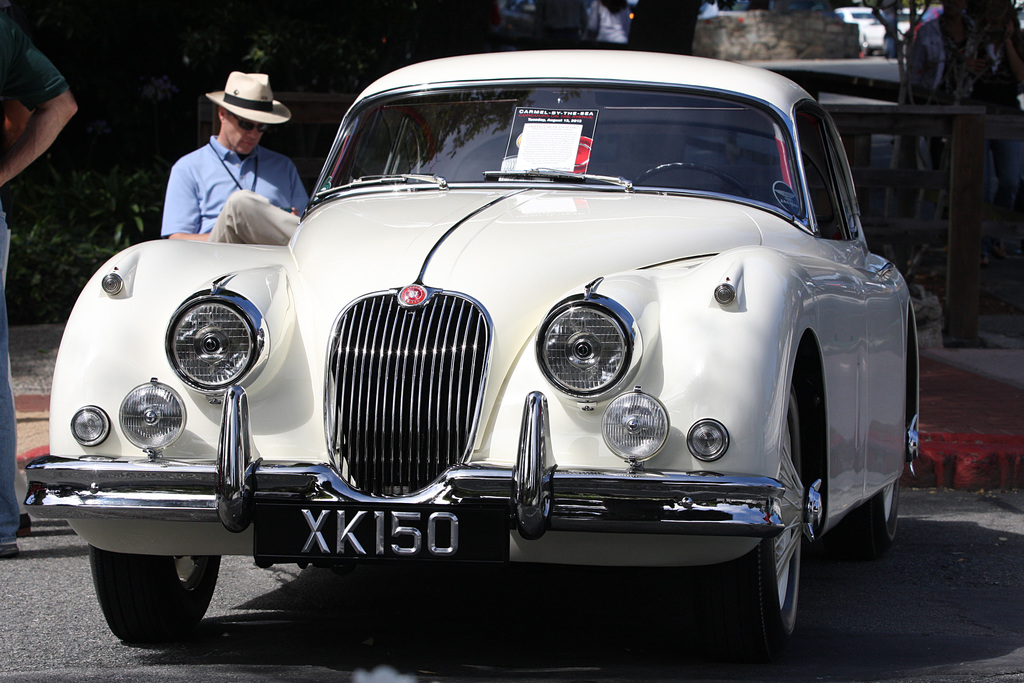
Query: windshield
(653,139)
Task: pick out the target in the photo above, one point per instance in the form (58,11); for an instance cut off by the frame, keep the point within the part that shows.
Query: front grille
(404,389)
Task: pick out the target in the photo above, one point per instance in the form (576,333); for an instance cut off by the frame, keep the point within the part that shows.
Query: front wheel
(152,598)
(747,607)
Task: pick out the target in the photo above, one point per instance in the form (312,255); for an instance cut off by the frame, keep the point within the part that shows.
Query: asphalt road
(946,604)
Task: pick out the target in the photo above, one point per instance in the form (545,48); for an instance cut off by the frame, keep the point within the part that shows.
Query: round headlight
(90,426)
(635,426)
(584,350)
(152,416)
(212,344)
(707,439)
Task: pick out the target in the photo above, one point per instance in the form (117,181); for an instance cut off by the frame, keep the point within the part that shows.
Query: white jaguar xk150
(568,307)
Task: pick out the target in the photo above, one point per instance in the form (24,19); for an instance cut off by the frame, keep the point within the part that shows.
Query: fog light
(90,426)
(708,439)
(635,426)
(152,416)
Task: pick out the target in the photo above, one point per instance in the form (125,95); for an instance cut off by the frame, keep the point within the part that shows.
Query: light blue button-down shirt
(201,182)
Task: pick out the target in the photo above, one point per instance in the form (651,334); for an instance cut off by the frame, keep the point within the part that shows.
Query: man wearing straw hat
(232,189)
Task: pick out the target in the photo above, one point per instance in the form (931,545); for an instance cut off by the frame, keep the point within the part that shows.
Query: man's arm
(48,119)
(181,218)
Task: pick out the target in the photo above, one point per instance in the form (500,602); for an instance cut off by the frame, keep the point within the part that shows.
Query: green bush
(66,224)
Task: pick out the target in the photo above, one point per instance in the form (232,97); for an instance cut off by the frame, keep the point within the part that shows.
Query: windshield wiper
(555,174)
(394,179)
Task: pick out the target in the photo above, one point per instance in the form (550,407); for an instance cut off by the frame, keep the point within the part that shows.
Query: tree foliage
(137,68)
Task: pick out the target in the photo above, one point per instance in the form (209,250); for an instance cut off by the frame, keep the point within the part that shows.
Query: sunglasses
(249,125)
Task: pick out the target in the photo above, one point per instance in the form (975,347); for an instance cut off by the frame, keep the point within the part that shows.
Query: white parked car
(557,307)
(872,30)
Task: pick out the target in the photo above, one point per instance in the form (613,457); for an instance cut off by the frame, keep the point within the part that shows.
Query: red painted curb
(970,462)
(32,403)
(30,455)
(1001,439)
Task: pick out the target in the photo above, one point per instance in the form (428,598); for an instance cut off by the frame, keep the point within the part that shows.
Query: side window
(826,204)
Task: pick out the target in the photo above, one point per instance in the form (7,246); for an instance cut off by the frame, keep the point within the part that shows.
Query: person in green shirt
(26,75)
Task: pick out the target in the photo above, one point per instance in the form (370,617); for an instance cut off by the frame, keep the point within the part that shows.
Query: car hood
(515,251)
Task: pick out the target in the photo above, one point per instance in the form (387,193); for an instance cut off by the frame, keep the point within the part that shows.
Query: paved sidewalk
(33,351)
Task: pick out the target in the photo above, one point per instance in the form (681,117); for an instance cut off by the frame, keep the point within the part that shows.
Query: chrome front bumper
(539,497)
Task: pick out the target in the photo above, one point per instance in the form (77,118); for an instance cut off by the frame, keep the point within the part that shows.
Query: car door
(883,378)
(842,319)
(865,320)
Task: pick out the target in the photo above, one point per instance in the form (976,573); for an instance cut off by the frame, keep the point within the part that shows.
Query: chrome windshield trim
(781,117)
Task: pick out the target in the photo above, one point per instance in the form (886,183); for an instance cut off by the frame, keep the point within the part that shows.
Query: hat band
(248,104)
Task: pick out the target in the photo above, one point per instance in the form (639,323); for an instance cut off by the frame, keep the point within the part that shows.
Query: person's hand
(976,65)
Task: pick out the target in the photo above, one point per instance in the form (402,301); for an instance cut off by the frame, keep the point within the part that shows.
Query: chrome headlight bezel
(254,330)
(607,310)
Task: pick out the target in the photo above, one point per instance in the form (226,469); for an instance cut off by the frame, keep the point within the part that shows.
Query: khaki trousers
(250,218)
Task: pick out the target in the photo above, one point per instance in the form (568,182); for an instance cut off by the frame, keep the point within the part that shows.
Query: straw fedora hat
(249,96)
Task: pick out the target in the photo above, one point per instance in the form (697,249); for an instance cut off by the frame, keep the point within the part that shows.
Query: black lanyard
(255,170)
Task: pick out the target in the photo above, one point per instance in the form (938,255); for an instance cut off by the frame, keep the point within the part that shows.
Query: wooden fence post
(966,173)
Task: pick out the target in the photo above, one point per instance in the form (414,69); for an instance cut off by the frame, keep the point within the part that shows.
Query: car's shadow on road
(935,603)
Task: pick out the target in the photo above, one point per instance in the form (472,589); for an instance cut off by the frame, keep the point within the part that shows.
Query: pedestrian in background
(974,52)
(232,189)
(561,20)
(609,21)
(28,76)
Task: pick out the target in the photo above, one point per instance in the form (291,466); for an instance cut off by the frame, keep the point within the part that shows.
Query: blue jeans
(9,516)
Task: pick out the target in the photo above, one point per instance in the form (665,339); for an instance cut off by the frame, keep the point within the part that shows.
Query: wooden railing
(932,206)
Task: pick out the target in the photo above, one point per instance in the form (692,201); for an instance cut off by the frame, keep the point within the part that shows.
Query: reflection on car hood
(487,242)
(517,252)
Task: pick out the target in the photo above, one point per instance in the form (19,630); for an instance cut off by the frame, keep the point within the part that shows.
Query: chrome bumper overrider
(540,497)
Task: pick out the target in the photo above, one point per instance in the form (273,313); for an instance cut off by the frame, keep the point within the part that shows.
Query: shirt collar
(227,154)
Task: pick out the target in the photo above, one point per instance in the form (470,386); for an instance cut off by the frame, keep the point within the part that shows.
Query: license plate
(310,533)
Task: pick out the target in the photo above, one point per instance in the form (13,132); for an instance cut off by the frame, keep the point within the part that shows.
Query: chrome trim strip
(235,474)
(913,446)
(62,488)
(667,503)
(532,476)
(607,501)
(458,224)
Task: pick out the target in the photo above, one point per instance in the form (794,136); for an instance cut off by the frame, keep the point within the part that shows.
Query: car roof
(617,66)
